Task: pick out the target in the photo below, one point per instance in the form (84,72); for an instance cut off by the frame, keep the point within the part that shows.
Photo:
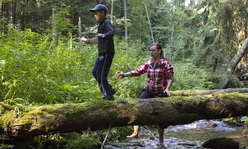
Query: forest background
(42,60)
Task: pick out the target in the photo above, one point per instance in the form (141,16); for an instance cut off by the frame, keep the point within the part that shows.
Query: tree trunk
(98,115)
(235,62)
(54,26)
(239,56)
(112,10)
(23,13)
(150,25)
(5,16)
(14,13)
(125,17)
(79,28)
(1,15)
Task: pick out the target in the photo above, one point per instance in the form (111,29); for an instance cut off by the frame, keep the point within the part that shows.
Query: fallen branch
(6,107)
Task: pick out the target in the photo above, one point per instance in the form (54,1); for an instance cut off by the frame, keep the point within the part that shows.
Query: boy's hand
(83,39)
(100,35)
(120,75)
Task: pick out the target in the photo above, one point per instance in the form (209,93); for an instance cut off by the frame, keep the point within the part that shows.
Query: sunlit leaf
(2,63)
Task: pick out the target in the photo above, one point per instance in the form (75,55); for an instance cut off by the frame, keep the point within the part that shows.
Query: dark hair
(159,47)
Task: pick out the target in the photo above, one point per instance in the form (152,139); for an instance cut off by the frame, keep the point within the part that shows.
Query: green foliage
(94,139)
(91,139)
(188,76)
(60,18)
(83,141)
(128,58)
(48,141)
(2,63)
(245,120)
(37,73)
(17,103)
(119,134)
(7,146)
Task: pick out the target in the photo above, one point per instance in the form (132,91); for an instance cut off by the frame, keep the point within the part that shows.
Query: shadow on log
(96,115)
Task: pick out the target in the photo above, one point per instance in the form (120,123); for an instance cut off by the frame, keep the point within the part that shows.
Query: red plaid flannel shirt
(157,75)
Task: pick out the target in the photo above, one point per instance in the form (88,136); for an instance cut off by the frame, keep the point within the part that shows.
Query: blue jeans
(101,70)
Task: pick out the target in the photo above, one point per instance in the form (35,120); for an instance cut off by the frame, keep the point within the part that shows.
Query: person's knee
(144,95)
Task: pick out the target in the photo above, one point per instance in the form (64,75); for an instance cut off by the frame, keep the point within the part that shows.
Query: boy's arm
(90,40)
(109,30)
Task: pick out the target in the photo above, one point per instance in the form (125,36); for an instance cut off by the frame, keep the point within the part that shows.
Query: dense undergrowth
(34,71)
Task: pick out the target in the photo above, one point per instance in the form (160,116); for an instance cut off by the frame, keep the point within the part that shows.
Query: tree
(234,63)
(218,36)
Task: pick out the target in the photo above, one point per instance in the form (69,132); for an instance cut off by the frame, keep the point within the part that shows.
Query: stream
(189,136)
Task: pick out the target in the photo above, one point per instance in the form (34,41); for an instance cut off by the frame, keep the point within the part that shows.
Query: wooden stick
(106,137)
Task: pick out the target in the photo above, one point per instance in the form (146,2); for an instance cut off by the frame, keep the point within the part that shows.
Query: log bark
(96,115)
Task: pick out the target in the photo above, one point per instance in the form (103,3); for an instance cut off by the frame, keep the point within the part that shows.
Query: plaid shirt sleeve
(169,72)
(140,70)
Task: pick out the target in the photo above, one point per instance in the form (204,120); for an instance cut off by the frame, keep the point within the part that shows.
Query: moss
(235,102)
(232,96)
(44,117)
(188,100)
(221,143)
(7,119)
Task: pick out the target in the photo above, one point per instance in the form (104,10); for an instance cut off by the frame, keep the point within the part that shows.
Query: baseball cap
(99,7)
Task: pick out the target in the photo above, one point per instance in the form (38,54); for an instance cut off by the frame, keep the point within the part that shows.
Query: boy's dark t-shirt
(106,44)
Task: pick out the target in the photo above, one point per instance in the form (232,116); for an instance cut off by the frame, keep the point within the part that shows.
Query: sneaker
(113,91)
(109,97)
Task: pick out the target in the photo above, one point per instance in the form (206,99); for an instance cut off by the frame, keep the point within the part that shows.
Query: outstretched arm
(89,40)
(122,75)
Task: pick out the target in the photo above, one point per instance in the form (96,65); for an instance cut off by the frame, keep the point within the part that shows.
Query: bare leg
(161,135)
(135,132)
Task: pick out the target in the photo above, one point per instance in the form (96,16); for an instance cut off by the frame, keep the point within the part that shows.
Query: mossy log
(207,92)
(96,115)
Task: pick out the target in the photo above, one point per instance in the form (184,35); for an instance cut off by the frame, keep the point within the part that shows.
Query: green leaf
(2,63)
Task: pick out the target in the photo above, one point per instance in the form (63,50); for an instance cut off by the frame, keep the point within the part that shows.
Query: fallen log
(207,92)
(96,115)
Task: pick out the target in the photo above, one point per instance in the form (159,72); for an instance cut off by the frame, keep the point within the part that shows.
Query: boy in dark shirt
(106,51)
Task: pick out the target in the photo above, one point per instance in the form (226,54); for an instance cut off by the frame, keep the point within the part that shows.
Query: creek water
(189,136)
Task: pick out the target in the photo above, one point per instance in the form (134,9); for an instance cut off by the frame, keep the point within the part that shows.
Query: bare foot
(133,136)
